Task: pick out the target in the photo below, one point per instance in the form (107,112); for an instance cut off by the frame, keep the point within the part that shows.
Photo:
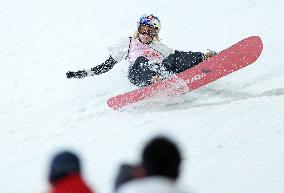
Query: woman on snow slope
(149,59)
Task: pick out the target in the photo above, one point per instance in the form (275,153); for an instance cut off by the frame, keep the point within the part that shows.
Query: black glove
(78,74)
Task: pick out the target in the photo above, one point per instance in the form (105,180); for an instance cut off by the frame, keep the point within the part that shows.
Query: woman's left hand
(209,54)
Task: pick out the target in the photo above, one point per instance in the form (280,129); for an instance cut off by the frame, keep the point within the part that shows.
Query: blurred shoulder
(150,184)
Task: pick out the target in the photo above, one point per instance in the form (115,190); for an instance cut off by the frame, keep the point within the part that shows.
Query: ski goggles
(144,29)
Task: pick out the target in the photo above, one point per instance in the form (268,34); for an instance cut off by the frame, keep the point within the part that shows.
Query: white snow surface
(230,132)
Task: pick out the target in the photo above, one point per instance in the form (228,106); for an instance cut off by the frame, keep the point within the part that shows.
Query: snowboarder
(149,60)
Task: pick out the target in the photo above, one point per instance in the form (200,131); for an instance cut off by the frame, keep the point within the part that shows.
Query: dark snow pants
(142,71)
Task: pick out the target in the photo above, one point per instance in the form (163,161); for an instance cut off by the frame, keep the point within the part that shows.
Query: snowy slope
(231,132)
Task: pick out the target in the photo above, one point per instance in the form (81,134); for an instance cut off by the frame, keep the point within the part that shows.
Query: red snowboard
(229,60)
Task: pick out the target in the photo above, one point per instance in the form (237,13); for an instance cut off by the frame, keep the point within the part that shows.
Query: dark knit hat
(64,164)
(161,157)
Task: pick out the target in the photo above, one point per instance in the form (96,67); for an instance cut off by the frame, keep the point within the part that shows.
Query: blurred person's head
(161,157)
(64,164)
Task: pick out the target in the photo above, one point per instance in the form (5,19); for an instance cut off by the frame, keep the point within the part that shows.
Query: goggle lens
(143,29)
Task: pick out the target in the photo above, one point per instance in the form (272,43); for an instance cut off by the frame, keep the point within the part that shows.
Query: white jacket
(134,47)
(150,185)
